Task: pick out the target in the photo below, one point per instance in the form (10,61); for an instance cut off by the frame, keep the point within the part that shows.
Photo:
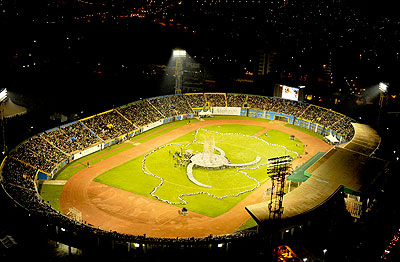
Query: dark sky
(381,8)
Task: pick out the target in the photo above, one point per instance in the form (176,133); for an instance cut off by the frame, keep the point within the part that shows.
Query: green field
(239,148)
(51,193)
(228,186)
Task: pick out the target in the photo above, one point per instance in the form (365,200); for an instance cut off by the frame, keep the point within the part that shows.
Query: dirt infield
(114,209)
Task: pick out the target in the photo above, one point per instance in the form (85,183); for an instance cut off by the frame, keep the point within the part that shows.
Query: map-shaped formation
(219,177)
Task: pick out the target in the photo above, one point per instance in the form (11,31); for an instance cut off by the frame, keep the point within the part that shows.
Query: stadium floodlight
(3,95)
(180,56)
(383,87)
(179,53)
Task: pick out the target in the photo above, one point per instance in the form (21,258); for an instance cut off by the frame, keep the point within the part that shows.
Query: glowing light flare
(383,87)
(3,94)
(179,53)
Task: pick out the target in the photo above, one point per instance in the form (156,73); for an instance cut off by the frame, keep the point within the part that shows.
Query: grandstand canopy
(12,109)
(351,166)
(299,175)
(351,169)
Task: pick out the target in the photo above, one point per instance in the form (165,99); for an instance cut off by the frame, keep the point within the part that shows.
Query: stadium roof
(12,109)
(299,175)
(351,166)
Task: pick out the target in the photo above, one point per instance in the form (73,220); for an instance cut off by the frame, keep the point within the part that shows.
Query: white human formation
(210,160)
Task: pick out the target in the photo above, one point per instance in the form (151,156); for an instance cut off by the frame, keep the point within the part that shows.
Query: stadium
(191,170)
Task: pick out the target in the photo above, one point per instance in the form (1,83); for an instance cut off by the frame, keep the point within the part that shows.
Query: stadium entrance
(281,118)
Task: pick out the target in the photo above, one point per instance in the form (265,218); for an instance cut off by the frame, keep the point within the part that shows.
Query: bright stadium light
(383,87)
(3,95)
(180,56)
(179,53)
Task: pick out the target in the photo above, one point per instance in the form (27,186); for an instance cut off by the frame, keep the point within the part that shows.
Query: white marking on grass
(240,170)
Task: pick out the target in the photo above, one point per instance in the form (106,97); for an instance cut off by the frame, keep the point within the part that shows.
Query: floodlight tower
(383,89)
(278,167)
(3,99)
(179,56)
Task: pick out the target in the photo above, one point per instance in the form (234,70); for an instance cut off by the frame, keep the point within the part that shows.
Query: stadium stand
(180,105)
(141,113)
(61,140)
(215,99)
(195,100)
(100,124)
(236,100)
(81,134)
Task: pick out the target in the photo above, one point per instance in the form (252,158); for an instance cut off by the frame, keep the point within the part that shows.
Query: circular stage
(209,160)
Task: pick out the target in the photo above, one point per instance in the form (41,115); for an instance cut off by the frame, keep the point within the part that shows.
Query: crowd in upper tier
(46,150)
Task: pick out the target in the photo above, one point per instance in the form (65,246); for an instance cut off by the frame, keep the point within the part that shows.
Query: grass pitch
(228,186)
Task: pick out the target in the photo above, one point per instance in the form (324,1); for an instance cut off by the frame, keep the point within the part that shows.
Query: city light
(390,246)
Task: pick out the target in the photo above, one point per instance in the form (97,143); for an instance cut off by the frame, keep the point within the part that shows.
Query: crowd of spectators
(52,147)
(62,141)
(39,153)
(314,113)
(109,125)
(45,149)
(80,134)
(327,118)
(164,105)
(141,113)
(18,174)
(196,100)
(283,106)
(236,100)
(257,102)
(180,105)
(344,128)
(215,100)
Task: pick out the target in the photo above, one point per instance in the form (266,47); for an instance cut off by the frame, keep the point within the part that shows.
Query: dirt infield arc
(114,209)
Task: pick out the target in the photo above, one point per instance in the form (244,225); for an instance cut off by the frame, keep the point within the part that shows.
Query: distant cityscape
(330,47)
